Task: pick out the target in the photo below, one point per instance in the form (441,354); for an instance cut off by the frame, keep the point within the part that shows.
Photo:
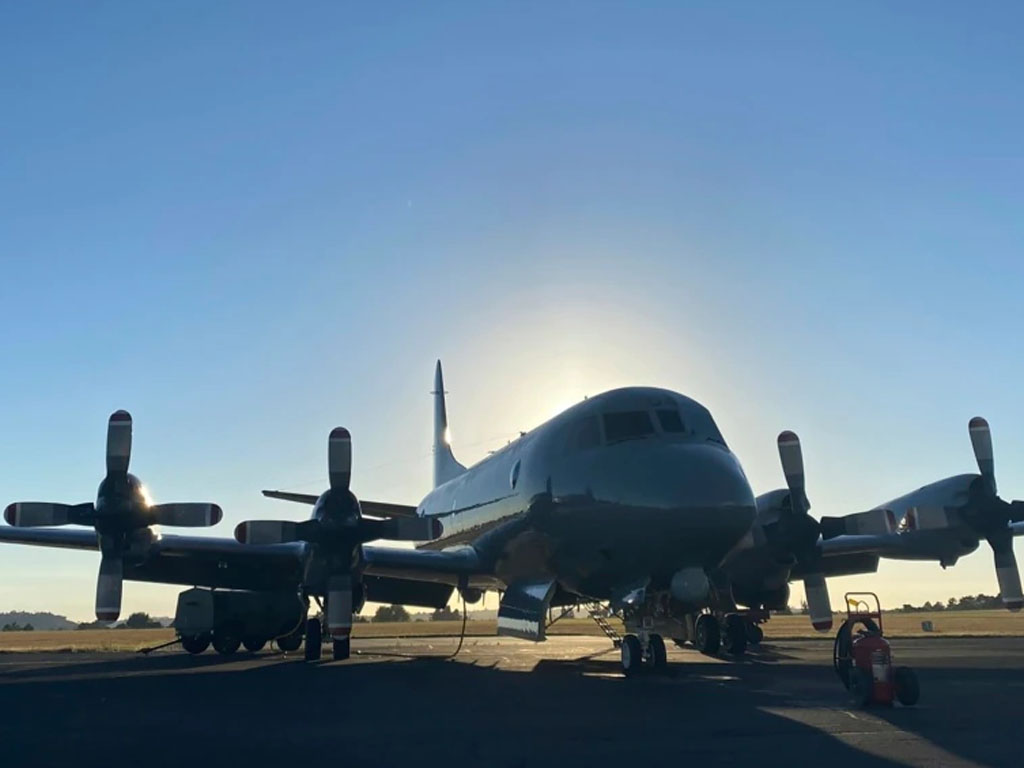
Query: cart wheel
(861,685)
(907,689)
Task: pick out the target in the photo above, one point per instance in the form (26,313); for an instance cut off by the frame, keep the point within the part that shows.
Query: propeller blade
(267,532)
(108,588)
(1007,572)
(27,514)
(872,522)
(792,459)
(981,441)
(339,458)
(818,603)
(119,441)
(339,605)
(189,514)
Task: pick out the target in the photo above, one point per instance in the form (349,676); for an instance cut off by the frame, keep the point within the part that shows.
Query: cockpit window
(627,425)
(670,420)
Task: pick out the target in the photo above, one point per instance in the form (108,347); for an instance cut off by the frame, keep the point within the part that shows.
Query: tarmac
(505,702)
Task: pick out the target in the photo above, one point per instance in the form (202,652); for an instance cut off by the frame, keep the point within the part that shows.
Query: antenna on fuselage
(445,466)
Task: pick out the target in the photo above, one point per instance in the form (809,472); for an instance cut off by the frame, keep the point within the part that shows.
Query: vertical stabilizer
(445,465)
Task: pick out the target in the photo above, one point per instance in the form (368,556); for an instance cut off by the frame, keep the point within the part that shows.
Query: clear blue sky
(247,223)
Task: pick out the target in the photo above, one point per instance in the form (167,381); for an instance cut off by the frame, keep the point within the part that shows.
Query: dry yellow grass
(948,624)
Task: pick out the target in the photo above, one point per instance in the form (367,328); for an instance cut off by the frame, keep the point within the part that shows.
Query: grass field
(948,624)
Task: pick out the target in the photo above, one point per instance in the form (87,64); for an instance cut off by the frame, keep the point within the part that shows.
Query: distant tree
(446,614)
(391,613)
(97,624)
(951,603)
(140,620)
(803,606)
(28,628)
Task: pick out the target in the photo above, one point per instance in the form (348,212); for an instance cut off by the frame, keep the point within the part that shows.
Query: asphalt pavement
(505,702)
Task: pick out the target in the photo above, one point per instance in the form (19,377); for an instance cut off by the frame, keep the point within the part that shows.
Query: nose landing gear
(644,652)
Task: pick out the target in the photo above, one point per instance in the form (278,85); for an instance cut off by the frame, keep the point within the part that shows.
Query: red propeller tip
(340,433)
(118,416)
(788,437)
(241,533)
(216,514)
(821,626)
(977,423)
(11,513)
(107,615)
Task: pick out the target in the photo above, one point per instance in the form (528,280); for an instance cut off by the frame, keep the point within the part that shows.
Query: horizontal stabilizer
(300,498)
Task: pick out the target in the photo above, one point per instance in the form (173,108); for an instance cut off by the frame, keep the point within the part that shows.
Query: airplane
(631,497)
(945,520)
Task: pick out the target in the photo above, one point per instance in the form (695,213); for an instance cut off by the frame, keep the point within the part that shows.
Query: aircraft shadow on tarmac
(428,711)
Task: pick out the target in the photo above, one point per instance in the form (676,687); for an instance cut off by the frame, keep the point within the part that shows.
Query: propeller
(797,532)
(991,516)
(119,514)
(336,532)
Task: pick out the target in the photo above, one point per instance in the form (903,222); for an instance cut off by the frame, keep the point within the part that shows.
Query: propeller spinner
(120,512)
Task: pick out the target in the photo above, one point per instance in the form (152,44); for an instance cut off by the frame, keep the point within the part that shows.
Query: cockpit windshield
(627,425)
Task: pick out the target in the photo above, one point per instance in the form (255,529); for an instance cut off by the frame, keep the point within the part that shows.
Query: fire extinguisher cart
(863,660)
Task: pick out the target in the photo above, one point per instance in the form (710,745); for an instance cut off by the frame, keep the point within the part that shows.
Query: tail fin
(445,465)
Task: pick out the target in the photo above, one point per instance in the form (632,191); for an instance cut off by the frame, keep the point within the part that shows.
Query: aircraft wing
(446,566)
(63,538)
(1017,528)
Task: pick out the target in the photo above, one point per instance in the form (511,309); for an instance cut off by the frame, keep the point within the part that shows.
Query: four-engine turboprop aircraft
(631,497)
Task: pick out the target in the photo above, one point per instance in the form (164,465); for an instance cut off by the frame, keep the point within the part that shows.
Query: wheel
(342,648)
(706,636)
(290,643)
(632,655)
(754,634)
(195,644)
(907,689)
(735,639)
(226,642)
(657,656)
(314,639)
(861,686)
(253,644)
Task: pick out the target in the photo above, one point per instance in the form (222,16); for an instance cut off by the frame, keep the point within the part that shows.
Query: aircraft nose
(697,488)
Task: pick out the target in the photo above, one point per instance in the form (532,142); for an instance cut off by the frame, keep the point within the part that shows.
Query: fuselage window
(627,425)
(670,420)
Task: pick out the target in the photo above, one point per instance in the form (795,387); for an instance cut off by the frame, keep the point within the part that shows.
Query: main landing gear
(643,653)
(341,647)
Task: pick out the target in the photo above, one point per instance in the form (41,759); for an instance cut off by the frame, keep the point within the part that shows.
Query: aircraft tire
(342,648)
(289,643)
(754,634)
(253,644)
(657,656)
(314,639)
(735,635)
(225,643)
(195,644)
(632,655)
(707,638)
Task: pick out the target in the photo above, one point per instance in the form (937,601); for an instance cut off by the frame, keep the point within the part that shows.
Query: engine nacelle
(240,613)
(775,599)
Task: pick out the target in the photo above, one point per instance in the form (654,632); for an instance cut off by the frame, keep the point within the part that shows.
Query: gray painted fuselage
(601,516)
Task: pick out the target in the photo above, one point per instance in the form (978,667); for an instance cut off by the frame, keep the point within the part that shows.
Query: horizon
(247,225)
